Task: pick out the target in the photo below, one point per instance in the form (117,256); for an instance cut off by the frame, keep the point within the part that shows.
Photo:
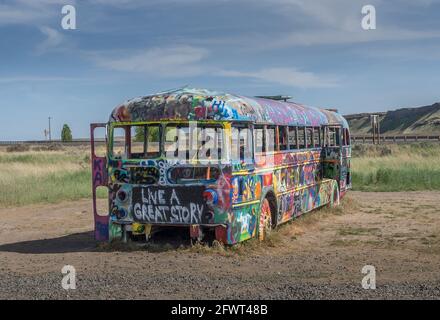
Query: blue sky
(315,51)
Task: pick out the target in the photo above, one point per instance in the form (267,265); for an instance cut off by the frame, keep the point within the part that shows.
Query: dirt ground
(320,255)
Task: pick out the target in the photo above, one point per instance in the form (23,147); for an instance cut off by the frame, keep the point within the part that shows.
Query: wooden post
(375,125)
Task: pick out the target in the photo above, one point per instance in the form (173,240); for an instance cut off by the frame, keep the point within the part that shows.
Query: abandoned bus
(274,160)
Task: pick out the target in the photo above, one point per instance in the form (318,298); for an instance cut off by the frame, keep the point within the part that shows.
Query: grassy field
(44,176)
(48,176)
(409,167)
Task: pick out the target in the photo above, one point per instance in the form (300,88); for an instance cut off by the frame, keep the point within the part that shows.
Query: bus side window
(316,137)
(331,137)
(283,137)
(346,137)
(338,136)
(242,144)
(293,138)
(271,137)
(260,139)
(334,136)
(302,137)
(309,137)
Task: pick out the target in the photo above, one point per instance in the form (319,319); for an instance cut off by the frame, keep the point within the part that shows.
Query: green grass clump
(45,177)
(410,167)
(47,189)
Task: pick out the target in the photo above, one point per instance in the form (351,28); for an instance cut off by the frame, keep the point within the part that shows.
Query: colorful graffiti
(201,104)
(146,192)
(99,179)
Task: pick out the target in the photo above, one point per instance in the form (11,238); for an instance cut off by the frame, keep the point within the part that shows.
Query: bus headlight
(122,195)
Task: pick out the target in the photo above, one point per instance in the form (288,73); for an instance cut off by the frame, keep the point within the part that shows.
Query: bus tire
(335,197)
(265,223)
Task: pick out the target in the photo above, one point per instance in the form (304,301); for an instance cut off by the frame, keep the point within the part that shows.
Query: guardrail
(394,138)
(46,142)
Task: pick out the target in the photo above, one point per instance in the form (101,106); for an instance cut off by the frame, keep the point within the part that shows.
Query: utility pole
(50,131)
(375,124)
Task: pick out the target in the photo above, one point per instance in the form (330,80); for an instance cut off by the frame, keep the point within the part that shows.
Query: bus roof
(201,104)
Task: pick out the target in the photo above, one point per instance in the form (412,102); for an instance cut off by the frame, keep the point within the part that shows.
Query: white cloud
(177,61)
(30,12)
(288,77)
(187,61)
(323,22)
(339,22)
(53,40)
(15,15)
(38,14)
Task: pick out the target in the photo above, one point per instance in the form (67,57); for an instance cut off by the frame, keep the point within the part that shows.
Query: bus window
(194,143)
(338,136)
(176,139)
(271,136)
(316,137)
(260,139)
(137,141)
(302,137)
(242,144)
(331,137)
(144,141)
(334,137)
(283,137)
(309,137)
(119,150)
(152,149)
(347,137)
(293,141)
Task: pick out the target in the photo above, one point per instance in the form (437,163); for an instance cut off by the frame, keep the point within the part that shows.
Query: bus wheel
(334,200)
(265,225)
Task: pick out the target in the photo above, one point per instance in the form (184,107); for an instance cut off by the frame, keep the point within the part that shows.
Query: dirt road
(317,256)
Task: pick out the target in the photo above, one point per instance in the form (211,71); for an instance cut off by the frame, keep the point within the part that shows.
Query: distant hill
(422,120)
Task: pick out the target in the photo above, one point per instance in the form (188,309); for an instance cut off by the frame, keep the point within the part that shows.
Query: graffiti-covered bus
(218,164)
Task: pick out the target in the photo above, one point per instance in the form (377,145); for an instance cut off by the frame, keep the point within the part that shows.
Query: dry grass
(396,167)
(28,177)
(282,238)
(38,175)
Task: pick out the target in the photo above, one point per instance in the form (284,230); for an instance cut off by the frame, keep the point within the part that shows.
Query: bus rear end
(167,174)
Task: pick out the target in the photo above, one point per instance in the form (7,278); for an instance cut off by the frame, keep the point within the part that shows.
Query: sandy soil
(317,256)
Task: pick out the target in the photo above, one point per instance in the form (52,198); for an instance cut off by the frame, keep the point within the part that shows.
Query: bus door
(99,179)
(332,153)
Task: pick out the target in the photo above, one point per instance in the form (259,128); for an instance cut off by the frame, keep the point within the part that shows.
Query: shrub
(66,134)
(18,148)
